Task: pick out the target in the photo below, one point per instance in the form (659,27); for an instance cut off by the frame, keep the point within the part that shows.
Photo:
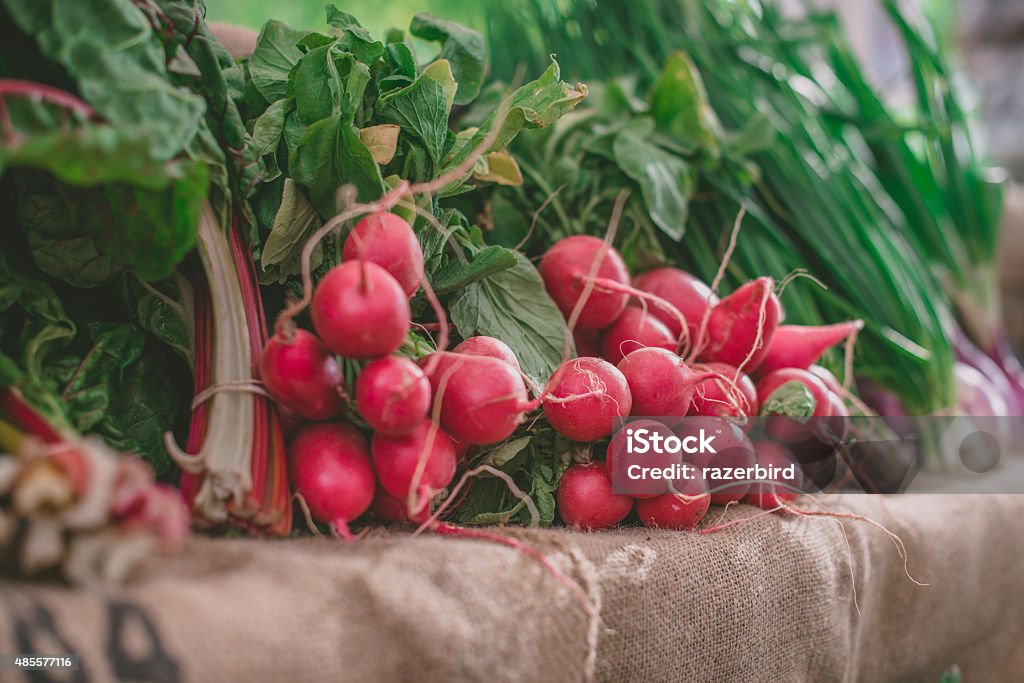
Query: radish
(793,392)
(672,511)
(301,374)
(393,395)
(741,326)
(564,269)
(588,343)
(584,399)
(360,311)
(768,496)
(398,458)
(586,500)
(618,458)
(488,346)
(387,240)
(800,346)
(826,376)
(732,450)
(684,291)
(719,397)
(634,329)
(790,397)
(331,470)
(660,383)
(483,399)
(393,509)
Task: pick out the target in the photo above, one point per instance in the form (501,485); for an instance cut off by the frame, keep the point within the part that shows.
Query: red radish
(483,399)
(799,346)
(826,376)
(397,459)
(584,399)
(331,470)
(661,384)
(588,344)
(360,311)
(586,501)
(388,241)
(488,346)
(794,393)
(732,450)
(720,397)
(634,329)
(290,421)
(393,509)
(741,326)
(620,457)
(393,395)
(564,269)
(684,291)
(790,397)
(768,496)
(301,374)
(671,511)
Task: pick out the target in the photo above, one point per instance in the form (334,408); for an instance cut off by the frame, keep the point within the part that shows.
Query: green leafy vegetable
(463,48)
(512,305)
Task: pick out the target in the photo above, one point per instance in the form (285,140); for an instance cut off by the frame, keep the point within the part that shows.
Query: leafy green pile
(340,108)
(107,196)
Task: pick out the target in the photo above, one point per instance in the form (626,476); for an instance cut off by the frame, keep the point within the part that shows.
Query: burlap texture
(771,599)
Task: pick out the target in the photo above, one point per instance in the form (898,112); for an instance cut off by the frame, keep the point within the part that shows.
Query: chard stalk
(236,471)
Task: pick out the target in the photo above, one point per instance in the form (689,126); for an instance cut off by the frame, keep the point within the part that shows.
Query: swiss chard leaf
(89,373)
(105,47)
(62,248)
(512,305)
(141,410)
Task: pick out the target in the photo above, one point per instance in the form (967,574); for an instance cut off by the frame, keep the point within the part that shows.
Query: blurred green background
(376,16)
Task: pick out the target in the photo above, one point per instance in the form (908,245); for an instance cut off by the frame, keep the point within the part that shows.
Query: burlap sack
(770,599)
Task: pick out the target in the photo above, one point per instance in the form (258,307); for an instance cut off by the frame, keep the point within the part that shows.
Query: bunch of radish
(422,416)
(665,346)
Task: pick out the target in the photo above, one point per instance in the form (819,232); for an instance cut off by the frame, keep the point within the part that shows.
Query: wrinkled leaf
(87,376)
(441,71)
(140,411)
(420,110)
(60,245)
(463,48)
(382,141)
(168,317)
(679,105)
(512,305)
(534,105)
(269,127)
(275,55)
(499,168)
(295,222)
(315,85)
(666,181)
(486,263)
(502,454)
(330,155)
